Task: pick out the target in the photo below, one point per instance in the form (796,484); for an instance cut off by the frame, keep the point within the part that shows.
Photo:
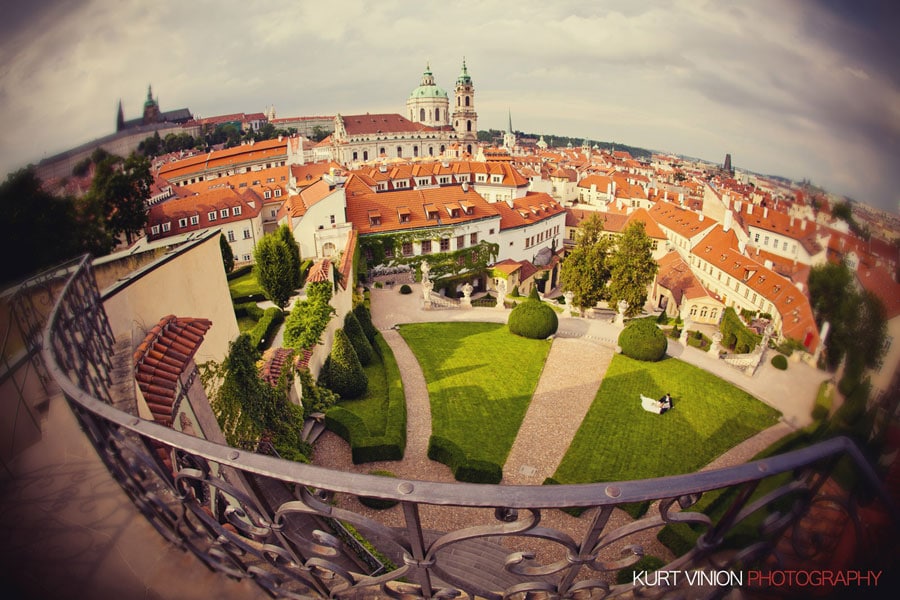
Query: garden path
(569,381)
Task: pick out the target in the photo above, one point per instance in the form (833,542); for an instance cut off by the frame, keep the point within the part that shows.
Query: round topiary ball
(779,361)
(533,319)
(405,289)
(643,340)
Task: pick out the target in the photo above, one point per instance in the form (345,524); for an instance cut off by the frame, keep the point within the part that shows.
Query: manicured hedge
(248,309)
(643,340)
(405,289)
(779,362)
(364,446)
(343,373)
(262,334)
(365,320)
(445,451)
(358,338)
(735,334)
(533,319)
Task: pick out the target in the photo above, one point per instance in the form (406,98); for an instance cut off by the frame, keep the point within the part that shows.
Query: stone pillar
(715,346)
(427,286)
(501,293)
(466,301)
(426,269)
(620,316)
(569,296)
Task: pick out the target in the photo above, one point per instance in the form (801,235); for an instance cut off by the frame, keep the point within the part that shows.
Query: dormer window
(195,220)
(211,215)
(154,230)
(468,207)
(431,211)
(374,218)
(497,179)
(223,213)
(403,214)
(182,222)
(481,178)
(267,194)
(277,192)
(236,211)
(452,210)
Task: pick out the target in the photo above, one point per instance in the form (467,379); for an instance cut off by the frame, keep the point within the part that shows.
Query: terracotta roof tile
(162,357)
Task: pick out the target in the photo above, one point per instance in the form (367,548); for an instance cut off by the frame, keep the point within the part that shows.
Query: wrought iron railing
(197,501)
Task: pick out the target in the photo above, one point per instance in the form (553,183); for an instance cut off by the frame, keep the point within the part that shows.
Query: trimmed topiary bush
(358,338)
(643,340)
(779,361)
(365,320)
(447,452)
(533,319)
(342,373)
(405,289)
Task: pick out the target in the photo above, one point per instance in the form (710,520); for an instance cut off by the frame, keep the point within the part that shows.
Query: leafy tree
(38,228)
(631,268)
(343,374)
(274,270)
(285,234)
(227,254)
(319,134)
(858,319)
(304,326)
(585,272)
(119,190)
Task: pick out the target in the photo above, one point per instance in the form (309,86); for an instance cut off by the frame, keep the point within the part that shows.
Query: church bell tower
(465,119)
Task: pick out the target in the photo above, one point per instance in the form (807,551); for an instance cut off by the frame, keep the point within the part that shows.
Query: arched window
(399,151)
(703,312)
(714,314)
(467,101)
(415,151)
(468,125)
(458,100)
(365,155)
(693,310)
(430,150)
(437,114)
(381,151)
(328,249)
(421,114)
(442,148)
(469,148)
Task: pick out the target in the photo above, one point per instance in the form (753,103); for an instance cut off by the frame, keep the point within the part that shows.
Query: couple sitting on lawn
(657,406)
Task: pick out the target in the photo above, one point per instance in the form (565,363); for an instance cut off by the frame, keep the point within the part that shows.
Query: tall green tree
(343,373)
(631,268)
(274,270)
(585,271)
(227,254)
(38,228)
(120,190)
(285,234)
(858,319)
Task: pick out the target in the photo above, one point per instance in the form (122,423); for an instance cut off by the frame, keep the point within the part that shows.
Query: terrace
(255,519)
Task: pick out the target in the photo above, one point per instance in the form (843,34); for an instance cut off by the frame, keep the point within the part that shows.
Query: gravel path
(570,380)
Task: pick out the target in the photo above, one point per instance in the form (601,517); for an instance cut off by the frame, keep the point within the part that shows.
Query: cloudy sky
(799,88)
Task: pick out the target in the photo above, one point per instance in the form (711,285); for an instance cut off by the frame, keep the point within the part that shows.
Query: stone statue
(570,296)
(466,301)
(427,286)
(426,270)
(501,292)
(715,346)
(620,316)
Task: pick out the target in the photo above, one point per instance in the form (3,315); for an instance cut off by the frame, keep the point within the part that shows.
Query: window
(272,213)
(426,246)
(331,218)
(473,239)
(154,230)
(756,238)
(267,194)
(399,151)
(388,252)
(195,220)
(714,313)
(703,312)
(469,128)
(766,241)
(460,241)
(230,235)
(356,156)
(415,151)
(784,247)
(407,249)
(693,310)
(223,213)
(491,231)
(421,114)
(365,155)
(246,258)
(445,244)
(211,215)
(437,114)
(235,211)
(167,226)
(182,222)
(467,101)
(328,249)
(247,234)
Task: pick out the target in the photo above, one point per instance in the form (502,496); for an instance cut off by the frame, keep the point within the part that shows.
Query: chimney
(681,198)
(768,264)
(749,208)
(700,217)
(792,221)
(742,246)
(667,196)
(799,285)
(509,202)
(728,220)
(726,200)
(738,206)
(465,186)
(765,212)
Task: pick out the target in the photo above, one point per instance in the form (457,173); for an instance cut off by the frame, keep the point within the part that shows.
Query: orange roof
(258,151)
(527,210)
(346,266)
(685,223)
(379,123)
(360,202)
(650,226)
(275,177)
(879,281)
(249,203)
(676,276)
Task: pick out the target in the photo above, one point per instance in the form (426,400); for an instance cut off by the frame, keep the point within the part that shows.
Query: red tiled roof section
(162,357)
(346,265)
(319,271)
(366,124)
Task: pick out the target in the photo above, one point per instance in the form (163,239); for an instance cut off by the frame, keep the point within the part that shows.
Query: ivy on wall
(442,264)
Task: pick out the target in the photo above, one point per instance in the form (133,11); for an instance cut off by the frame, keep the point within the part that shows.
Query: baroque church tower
(428,104)
(465,119)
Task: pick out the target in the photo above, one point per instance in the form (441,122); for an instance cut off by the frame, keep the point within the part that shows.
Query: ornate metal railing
(200,500)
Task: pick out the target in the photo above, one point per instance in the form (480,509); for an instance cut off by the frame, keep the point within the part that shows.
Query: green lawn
(618,440)
(245,285)
(480,382)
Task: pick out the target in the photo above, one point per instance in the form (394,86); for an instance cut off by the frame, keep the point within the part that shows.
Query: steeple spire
(510,130)
(120,118)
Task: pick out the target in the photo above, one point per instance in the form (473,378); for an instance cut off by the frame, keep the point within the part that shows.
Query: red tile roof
(162,357)
(319,271)
(379,123)
(200,206)
(532,208)
(346,266)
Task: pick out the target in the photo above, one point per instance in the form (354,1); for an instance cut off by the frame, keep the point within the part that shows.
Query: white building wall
(513,242)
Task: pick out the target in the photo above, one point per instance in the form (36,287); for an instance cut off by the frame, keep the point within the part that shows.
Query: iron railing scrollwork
(186,487)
